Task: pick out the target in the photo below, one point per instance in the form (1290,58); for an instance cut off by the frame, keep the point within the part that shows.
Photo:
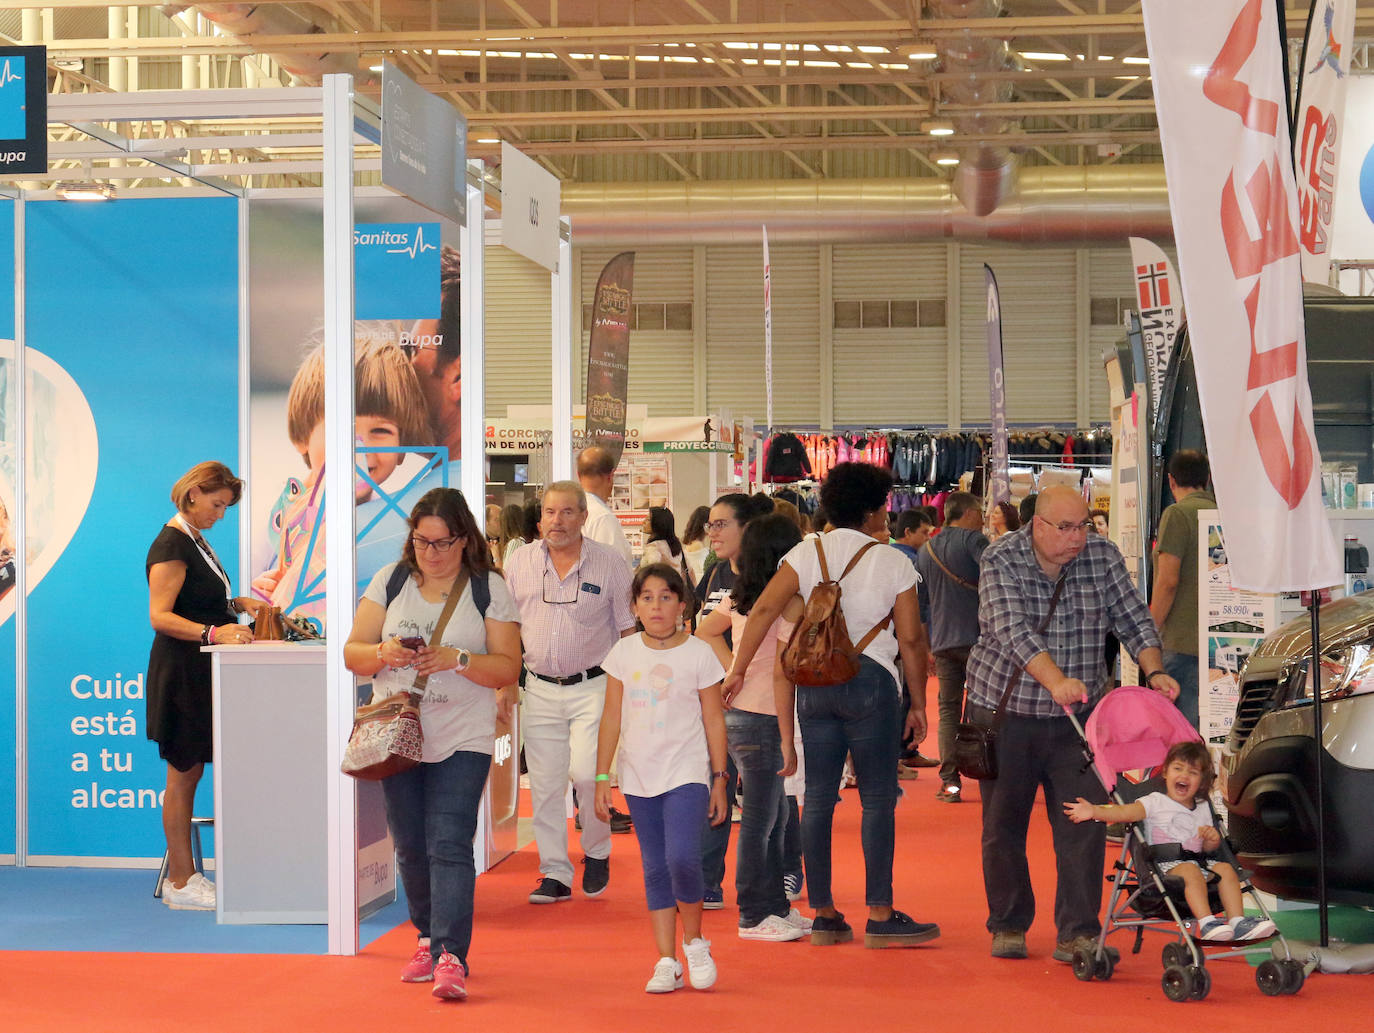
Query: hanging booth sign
(1219,92)
(530,201)
(413,120)
(23,110)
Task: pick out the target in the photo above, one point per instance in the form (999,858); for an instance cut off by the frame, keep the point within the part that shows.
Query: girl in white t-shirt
(663,709)
(1181,815)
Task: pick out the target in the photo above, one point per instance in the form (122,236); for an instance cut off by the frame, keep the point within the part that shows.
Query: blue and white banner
(999,481)
(133,374)
(9,514)
(1160,304)
(395,270)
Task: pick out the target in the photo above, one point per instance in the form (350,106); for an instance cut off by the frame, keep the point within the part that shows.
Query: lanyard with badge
(207,554)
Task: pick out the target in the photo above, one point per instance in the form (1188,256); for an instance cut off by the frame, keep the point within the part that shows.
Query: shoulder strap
(972,586)
(396,582)
(825,571)
(856,557)
(481,593)
(454,594)
(999,714)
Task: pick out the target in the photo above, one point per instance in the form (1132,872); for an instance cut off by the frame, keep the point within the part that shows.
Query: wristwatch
(1154,674)
(464,658)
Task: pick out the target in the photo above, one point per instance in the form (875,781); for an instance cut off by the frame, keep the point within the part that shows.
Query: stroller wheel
(1202,982)
(1294,975)
(1106,965)
(1176,954)
(1085,964)
(1178,983)
(1271,978)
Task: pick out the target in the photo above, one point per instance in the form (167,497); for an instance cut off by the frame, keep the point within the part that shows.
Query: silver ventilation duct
(987,173)
(278,20)
(1054,205)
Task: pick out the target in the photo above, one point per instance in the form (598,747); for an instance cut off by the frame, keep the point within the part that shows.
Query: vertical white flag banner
(1160,306)
(767,333)
(1319,126)
(1219,94)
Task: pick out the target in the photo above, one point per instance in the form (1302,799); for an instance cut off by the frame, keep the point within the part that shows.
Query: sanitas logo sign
(403,242)
(396,270)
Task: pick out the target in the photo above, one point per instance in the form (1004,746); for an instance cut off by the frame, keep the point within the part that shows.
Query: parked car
(1268,771)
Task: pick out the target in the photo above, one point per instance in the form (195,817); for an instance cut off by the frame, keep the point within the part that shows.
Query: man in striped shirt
(1048,594)
(574,600)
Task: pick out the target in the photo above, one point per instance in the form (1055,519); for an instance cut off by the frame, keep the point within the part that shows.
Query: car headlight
(1347,671)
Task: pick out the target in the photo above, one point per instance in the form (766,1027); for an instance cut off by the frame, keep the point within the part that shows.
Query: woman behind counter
(190,604)
(432,808)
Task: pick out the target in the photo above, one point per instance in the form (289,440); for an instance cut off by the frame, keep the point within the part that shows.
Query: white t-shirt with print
(867,594)
(455,713)
(1168,821)
(662,735)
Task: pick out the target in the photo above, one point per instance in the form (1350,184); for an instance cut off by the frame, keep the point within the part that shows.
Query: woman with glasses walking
(432,808)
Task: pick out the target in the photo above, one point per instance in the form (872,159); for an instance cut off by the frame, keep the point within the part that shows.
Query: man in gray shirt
(948,565)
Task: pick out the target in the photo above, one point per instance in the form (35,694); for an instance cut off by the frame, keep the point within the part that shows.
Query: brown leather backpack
(820,651)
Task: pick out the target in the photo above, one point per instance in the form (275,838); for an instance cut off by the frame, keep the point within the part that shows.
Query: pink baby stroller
(1132,728)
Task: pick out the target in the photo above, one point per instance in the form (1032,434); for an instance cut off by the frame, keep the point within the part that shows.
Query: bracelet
(603,778)
(379,653)
(1150,677)
(721,774)
(205,635)
(211,633)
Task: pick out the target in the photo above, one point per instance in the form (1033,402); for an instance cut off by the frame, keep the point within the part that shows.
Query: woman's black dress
(178,689)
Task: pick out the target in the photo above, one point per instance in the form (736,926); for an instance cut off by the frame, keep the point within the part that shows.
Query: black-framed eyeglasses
(1068,526)
(544,588)
(440,545)
(720,525)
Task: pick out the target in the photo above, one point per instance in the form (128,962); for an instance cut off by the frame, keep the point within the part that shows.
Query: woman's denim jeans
(860,717)
(432,812)
(756,748)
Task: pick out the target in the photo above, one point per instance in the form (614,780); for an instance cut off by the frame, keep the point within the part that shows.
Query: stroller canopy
(1133,727)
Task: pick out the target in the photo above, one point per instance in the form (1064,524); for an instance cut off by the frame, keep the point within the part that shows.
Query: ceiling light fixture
(922,54)
(946,158)
(84,190)
(938,127)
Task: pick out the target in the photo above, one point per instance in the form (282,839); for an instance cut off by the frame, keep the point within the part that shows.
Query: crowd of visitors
(668,679)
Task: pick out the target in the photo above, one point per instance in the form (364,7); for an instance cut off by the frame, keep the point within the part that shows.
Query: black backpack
(481,588)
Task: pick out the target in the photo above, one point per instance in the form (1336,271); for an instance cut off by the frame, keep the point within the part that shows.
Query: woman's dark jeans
(756,749)
(432,812)
(860,717)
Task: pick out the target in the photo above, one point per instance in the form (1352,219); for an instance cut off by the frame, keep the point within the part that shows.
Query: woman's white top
(455,713)
(662,735)
(867,594)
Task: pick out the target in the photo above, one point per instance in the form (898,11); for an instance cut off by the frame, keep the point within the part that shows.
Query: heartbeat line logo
(7,76)
(419,247)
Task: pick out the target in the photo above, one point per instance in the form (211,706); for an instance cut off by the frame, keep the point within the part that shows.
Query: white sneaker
(701,969)
(197,895)
(798,920)
(667,977)
(773,928)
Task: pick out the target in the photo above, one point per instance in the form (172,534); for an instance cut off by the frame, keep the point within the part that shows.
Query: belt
(572,679)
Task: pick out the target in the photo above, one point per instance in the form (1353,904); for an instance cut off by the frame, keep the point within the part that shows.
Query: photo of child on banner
(407,403)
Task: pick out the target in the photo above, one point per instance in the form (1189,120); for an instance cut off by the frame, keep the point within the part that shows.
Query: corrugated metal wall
(874,377)
(896,371)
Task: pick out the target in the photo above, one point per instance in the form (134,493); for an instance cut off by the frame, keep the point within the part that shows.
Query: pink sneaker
(450,979)
(420,968)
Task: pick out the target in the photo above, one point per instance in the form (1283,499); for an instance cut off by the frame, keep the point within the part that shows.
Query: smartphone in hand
(413,642)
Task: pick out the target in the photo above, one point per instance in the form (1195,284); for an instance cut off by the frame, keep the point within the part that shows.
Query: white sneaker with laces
(774,928)
(667,977)
(701,967)
(1214,930)
(197,895)
(798,920)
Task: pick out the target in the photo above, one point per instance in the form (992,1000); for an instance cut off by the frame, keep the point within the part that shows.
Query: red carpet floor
(580,967)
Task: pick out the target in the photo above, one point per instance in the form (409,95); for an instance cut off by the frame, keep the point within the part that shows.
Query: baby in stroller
(1181,815)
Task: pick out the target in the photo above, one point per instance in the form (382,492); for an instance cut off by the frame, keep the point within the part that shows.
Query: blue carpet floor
(90,909)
